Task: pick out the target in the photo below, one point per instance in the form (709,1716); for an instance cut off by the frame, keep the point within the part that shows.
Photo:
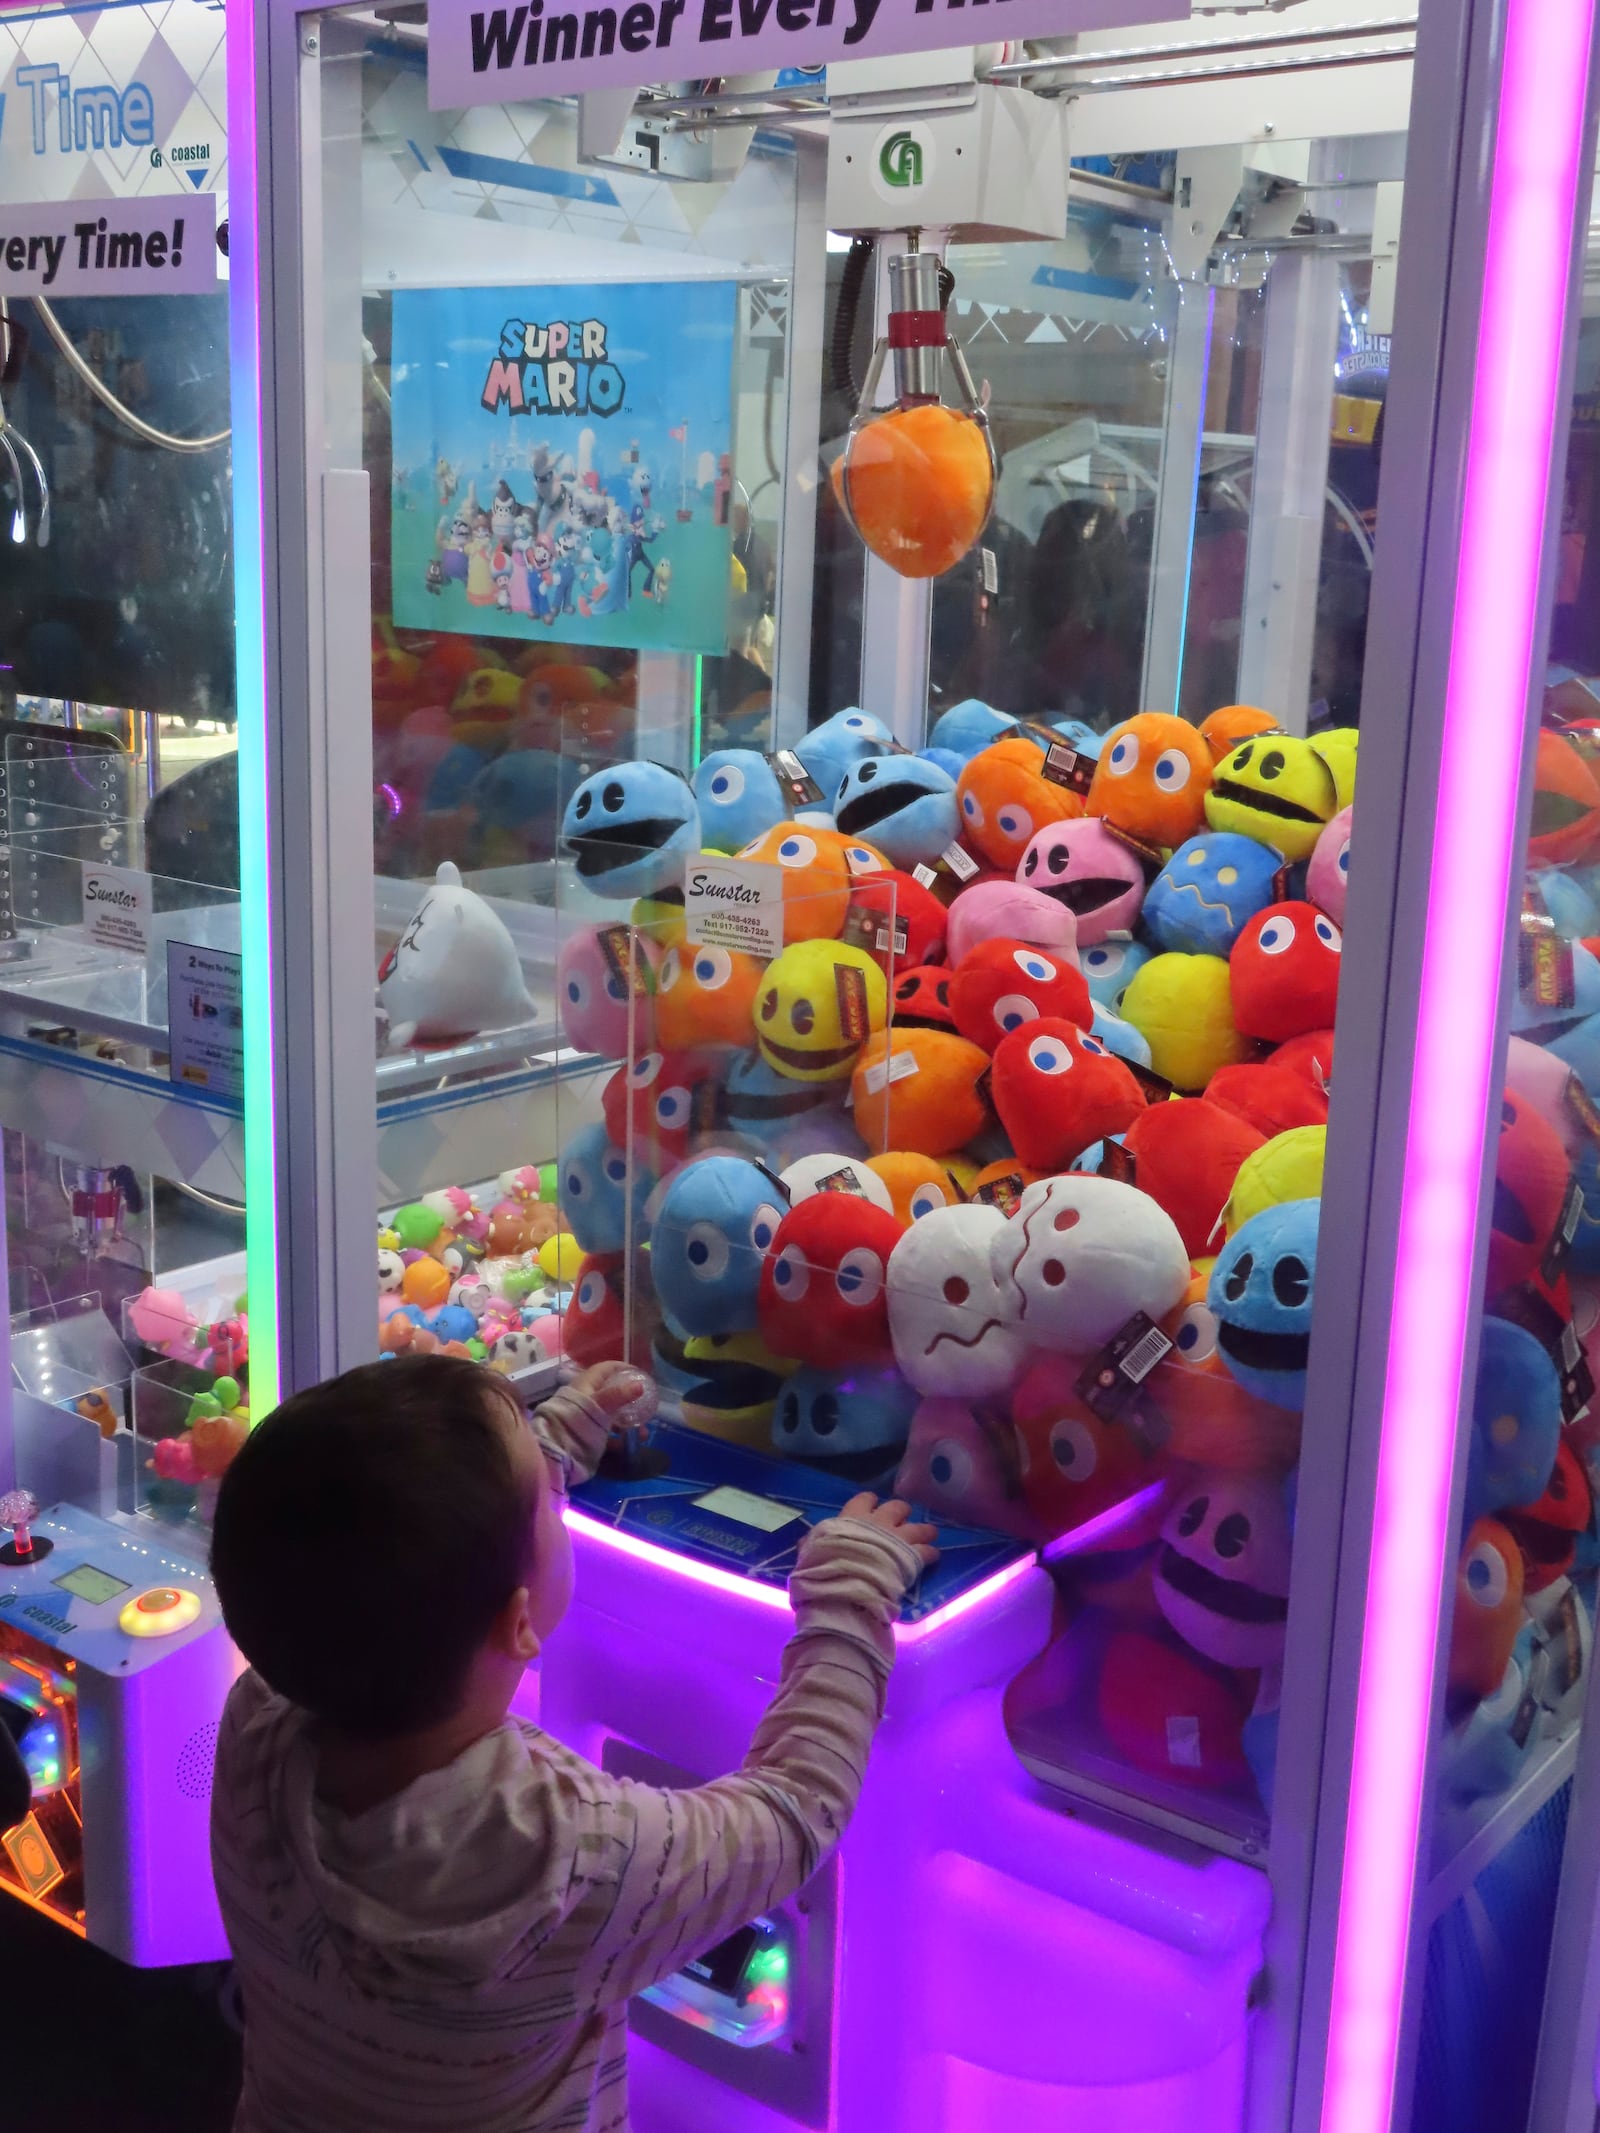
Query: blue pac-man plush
(631,828)
(1110,967)
(739,797)
(1260,1295)
(829,750)
(1120,1038)
(521,789)
(713,1225)
(967,728)
(600,1201)
(1516,1421)
(945,759)
(853,1424)
(1208,891)
(900,804)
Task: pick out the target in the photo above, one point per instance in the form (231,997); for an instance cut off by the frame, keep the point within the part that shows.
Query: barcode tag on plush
(924,874)
(1066,766)
(799,785)
(990,569)
(1183,1743)
(1582,1106)
(961,863)
(1566,1229)
(1110,1380)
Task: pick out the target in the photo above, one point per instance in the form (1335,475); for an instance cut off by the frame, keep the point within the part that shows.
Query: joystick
(18,1510)
(631,1401)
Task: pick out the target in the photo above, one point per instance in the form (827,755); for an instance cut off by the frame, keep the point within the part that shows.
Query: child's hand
(894,1517)
(626,1396)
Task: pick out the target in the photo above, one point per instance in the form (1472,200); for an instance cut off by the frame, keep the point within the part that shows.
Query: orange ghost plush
(1152,779)
(1004,798)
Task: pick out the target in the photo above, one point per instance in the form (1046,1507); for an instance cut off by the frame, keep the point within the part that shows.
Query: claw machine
(124,864)
(824,601)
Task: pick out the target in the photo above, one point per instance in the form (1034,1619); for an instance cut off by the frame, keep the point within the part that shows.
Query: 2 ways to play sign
(479,54)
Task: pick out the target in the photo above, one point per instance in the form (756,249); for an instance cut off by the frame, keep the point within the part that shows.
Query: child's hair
(366,1537)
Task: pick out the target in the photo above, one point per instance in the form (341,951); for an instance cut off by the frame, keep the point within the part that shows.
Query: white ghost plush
(954,1324)
(454,971)
(1082,1254)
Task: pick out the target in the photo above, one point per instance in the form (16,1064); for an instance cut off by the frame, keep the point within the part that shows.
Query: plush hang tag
(1536,1314)
(1545,974)
(1042,737)
(984,1088)
(705,1106)
(899,1066)
(1064,765)
(924,875)
(629,968)
(960,862)
(1156,1087)
(1004,1192)
(989,570)
(1283,885)
(850,988)
(799,786)
(1119,1163)
(1146,854)
(841,1180)
(874,931)
(1582,1106)
(1566,1229)
(1109,1380)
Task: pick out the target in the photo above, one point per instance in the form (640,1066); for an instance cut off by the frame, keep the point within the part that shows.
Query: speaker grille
(195,1758)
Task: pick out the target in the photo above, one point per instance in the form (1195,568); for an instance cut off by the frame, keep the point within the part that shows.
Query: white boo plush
(455,969)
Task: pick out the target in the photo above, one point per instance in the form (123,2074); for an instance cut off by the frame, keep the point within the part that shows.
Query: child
(437,1912)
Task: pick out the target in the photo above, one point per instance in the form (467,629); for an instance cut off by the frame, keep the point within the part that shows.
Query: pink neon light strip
(769,1596)
(1540,133)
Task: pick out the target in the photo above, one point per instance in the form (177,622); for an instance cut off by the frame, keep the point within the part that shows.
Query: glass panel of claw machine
(864,721)
(1521,1635)
(120,962)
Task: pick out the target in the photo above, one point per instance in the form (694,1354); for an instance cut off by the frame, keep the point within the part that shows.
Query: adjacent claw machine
(129,1373)
(856,632)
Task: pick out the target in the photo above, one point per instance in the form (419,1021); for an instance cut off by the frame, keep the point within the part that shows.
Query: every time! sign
(480,54)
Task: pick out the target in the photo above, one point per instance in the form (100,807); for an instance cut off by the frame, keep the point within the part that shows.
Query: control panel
(110,1595)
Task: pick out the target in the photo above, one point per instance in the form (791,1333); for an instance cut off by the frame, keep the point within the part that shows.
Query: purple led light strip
(770,1596)
(1539,140)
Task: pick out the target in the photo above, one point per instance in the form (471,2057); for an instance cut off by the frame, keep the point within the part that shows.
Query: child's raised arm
(675,1872)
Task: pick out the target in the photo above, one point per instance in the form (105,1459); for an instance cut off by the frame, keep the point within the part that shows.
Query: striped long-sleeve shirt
(458,1958)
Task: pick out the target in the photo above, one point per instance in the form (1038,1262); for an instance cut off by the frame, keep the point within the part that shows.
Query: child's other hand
(894,1516)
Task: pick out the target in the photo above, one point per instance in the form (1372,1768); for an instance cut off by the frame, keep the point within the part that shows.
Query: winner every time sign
(479,54)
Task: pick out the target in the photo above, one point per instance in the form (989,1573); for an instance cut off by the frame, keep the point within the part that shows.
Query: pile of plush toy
(997,1182)
(481,1273)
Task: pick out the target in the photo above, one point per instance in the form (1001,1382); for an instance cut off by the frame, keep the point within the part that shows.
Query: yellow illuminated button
(159,1612)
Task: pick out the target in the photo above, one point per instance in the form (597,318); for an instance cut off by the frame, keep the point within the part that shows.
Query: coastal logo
(903,160)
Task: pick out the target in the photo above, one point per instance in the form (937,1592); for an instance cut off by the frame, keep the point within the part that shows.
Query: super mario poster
(561,462)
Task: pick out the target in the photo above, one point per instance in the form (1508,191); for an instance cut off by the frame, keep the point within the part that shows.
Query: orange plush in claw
(1225,729)
(1003,799)
(1566,803)
(1152,779)
(919,487)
